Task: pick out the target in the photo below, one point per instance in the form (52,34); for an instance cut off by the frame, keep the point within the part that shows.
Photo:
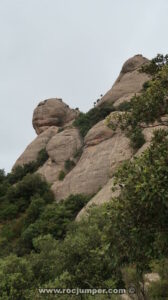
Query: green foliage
(142,207)
(41,158)
(155,65)
(18,197)
(124,106)
(69,165)
(85,121)
(20,171)
(34,210)
(2,176)
(133,279)
(16,278)
(55,218)
(146,108)
(8,211)
(111,248)
(81,254)
(115,244)
(160,266)
(158,290)
(61,175)
(78,153)
(136,137)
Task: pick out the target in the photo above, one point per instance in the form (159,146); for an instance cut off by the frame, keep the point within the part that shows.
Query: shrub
(61,175)
(41,158)
(146,108)
(2,176)
(16,278)
(28,235)
(142,204)
(155,65)
(34,210)
(55,218)
(17,198)
(20,171)
(137,138)
(124,106)
(158,290)
(8,211)
(87,120)
(69,165)
(7,232)
(78,153)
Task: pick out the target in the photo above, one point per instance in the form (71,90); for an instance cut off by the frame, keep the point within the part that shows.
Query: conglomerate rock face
(101,151)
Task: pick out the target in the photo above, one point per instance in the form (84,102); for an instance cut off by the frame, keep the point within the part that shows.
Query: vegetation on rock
(20,171)
(129,234)
(61,175)
(85,121)
(116,244)
(149,106)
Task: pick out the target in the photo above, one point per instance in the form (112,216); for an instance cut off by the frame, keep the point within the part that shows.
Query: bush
(55,218)
(20,171)
(124,106)
(2,176)
(137,138)
(158,290)
(28,235)
(34,210)
(69,165)
(142,204)
(146,108)
(78,153)
(61,175)
(8,211)
(7,232)
(18,197)
(87,120)
(155,65)
(16,278)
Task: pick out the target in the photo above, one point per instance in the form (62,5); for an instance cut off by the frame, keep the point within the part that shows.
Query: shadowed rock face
(52,112)
(129,82)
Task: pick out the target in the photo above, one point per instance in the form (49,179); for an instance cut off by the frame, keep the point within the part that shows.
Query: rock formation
(129,82)
(52,112)
(102,149)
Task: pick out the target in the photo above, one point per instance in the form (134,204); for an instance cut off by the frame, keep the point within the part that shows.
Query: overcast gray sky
(73,49)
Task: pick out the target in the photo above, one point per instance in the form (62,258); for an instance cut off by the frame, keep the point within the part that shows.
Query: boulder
(98,133)
(64,145)
(52,112)
(61,147)
(50,170)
